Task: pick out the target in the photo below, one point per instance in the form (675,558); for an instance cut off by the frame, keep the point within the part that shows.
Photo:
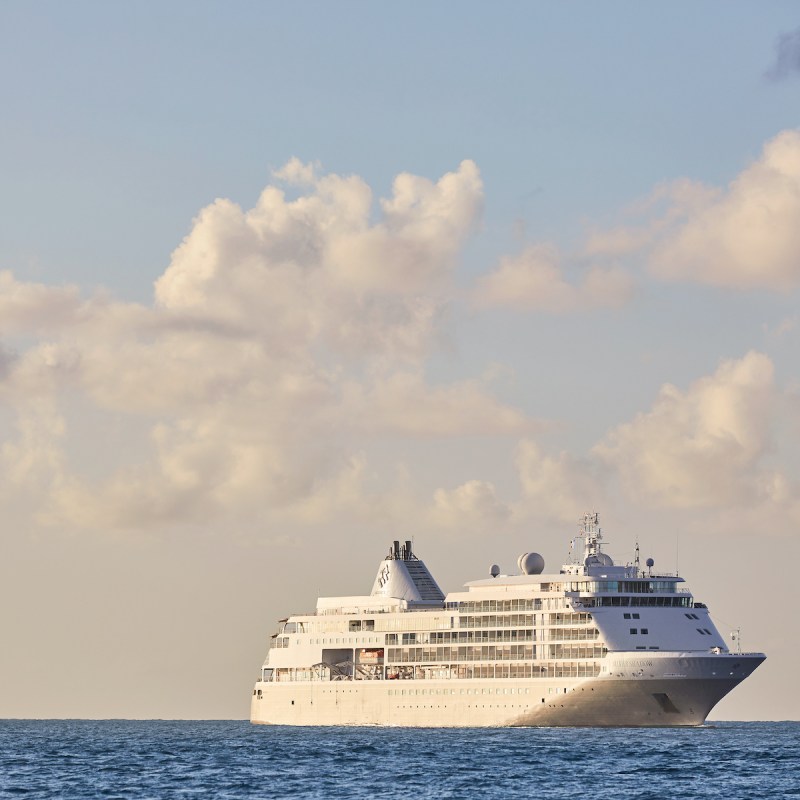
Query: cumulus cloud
(743,236)
(557,487)
(34,307)
(404,404)
(534,280)
(708,451)
(35,457)
(704,446)
(282,338)
(305,265)
(747,236)
(473,504)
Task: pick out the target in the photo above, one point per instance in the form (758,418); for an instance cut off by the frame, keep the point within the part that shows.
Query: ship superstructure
(594,644)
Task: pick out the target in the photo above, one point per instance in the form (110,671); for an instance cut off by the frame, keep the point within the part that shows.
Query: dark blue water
(114,759)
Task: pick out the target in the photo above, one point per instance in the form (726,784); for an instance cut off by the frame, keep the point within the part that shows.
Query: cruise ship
(594,644)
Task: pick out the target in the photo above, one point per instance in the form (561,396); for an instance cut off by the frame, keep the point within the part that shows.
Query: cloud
(473,504)
(404,404)
(787,57)
(534,281)
(282,340)
(705,446)
(781,329)
(35,457)
(34,307)
(557,487)
(746,237)
(295,173)
(709,452)
(304,263)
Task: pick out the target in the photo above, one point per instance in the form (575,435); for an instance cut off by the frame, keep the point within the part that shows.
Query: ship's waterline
(595,644)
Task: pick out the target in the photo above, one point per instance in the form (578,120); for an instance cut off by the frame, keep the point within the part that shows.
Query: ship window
(645,631)
(700,631)
(706,630)
(636,616)
(634,630)
(369,624)
(626,616)
(355,625)
(689,616)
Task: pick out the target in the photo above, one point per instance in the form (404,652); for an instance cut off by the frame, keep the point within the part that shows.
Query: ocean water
(121,759)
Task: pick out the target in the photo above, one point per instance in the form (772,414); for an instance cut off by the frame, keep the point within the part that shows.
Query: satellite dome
(530,564)
(494,571)
(605,560)
(650,562)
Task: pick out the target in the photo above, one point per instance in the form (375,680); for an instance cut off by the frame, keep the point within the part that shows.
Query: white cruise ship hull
(634,690)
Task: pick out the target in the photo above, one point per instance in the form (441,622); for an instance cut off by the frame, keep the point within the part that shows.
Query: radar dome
(494,571)
(605,559)
(650,562)
(530,564)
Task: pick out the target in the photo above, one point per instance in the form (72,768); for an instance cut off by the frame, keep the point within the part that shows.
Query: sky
(280,283)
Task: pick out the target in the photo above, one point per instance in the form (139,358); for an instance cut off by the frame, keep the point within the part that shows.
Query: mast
(592,535)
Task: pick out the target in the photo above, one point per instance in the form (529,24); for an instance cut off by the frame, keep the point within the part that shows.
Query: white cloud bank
(534,281)
(473,504)
(289,342)
(282,338)
(704,446)
(710,448)
(745,236)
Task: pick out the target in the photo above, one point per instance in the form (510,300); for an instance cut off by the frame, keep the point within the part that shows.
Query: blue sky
(588,296)
(134,116)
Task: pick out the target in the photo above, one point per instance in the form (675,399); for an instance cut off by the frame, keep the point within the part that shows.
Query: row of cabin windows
(478,606)
(643,631)
(477,691)
(454,637)
(285,641)
(638,587)
(564,669)
(682,601)
(444,671)
(428,655)
(524,635)
(522,620)
(462,637)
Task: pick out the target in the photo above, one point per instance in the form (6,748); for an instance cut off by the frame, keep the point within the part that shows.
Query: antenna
(636,559)
(677,550)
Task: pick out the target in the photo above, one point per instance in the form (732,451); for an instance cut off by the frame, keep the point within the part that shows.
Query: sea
(163,759)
